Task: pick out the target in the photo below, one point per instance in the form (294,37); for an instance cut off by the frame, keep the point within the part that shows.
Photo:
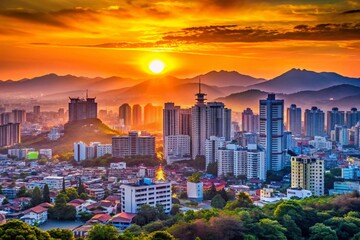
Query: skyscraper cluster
(198,123)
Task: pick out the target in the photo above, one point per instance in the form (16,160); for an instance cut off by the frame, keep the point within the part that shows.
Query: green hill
(89,130)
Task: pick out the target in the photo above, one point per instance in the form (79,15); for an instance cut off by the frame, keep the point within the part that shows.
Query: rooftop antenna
(199,85)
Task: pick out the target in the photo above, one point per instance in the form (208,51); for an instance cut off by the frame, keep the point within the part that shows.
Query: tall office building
(80,109)
(199,125)
(152,114)
(19,116)
(79,151)
(185,122)
(293,120)
(136,115)
(133,145)
(10,134)
(334,117)
(352,117)
(212,144)
(308,173)
(171,118)
(271,131)
(225,161)
(176,148)
(36,111)
(250,121)
(314,121)
(218,120)
(125,115)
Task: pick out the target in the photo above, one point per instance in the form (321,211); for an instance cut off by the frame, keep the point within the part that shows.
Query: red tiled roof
(100,218)
(38,209)
(77,201)
(123,217)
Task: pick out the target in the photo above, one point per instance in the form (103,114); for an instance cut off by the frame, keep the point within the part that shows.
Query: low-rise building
(35,215)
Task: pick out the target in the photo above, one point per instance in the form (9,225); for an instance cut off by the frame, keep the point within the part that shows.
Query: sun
(156,66)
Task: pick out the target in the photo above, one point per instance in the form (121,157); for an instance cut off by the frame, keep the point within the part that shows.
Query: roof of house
(100,218)
(37,209)
(123,217)
(77,201)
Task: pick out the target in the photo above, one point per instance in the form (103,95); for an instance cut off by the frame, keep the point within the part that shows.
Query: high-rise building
(152,114)
(80,109)
(36,111)
(308,173)
(334,117)
(212,144)
(176,148)
(133,145)
(145,192)
(198,125)
(79,151)
(271,131)
(19,116)
(293,120)
(10,134)
(340,134)
(352,117)
(314,121)
(219,120)
(171,118)
(185,122)
(207,120)
(250,121)
(136,115)
(225,161)
(125,115)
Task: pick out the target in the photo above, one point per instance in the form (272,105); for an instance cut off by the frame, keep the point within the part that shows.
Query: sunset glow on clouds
(107,37)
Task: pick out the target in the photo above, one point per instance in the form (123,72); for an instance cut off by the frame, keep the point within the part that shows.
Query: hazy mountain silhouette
(297,80)
(226,78)
(345,96)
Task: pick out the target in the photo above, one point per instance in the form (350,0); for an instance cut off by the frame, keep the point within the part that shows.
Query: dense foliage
(315,218)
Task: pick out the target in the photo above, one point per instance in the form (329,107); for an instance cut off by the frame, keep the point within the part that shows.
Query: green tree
(329,180)
(210,193)
(46,194)
(154,226)
(218,202)
(224,194)
(134,229)
(336,172)
(21,192)
(243,201)
(18,230)
(293,231)
(195,177)
(84,196)
(61,234)
(145,215)
(72,193)
(63,185)
(175,209)
(212,168)
(80,188)
(62,211)
(160,235)
(103,232)
(269,229)
(36,198)
(321,232)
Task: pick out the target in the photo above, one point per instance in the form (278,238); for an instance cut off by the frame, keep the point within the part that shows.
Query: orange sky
(106,37)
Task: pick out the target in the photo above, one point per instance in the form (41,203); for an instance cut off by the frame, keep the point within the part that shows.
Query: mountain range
(303,87)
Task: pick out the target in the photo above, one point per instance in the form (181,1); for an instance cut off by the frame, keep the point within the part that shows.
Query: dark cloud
(235,33)
(34,17)
(351,11)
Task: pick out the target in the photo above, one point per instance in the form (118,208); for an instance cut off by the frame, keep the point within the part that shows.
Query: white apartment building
(320,143)
(79,151)
(225,161)
(118,165)
(103,149)
(299,193)
(145,192)
(195,190)
(308,173)
(55,182)
(177,148)
(212,144)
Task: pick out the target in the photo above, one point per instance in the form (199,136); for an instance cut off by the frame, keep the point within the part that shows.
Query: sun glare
(156,66)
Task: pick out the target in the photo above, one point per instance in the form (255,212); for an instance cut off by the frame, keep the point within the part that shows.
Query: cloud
(236,33)
(351,11)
